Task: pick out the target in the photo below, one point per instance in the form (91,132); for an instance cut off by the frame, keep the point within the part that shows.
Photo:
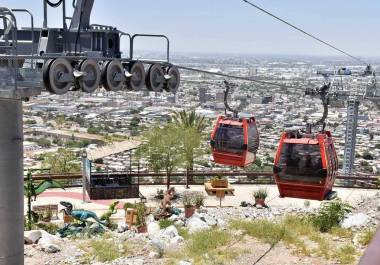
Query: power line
(304,32)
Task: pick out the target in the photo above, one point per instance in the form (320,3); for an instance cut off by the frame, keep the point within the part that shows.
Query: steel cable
(304,32)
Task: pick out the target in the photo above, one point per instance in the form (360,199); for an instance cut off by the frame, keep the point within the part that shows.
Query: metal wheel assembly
(90,80)
(113,76)
(136,80)
(45,74)
(58,76)
(172,80)
(155,78)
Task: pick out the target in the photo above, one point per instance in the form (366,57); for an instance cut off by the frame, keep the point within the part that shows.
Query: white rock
(158,244)
(46,245)
(221,222)
(208,219)
(122,227)
(153,255)
(184,262)
(150,219)
(32,237)
(353,220)
(170,232)
(195,224)
(179,223)
(153,229)
(175,241)
(173,218)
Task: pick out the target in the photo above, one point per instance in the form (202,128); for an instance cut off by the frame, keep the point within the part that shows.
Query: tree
(60,121)
(163,149)
(62,162)
(190,119)
(191,126)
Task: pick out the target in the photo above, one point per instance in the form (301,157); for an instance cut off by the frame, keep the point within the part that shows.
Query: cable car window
(301,163)
(253,138)
(335,158)
(229,139)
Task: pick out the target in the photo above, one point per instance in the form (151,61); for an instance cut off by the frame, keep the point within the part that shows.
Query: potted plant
(188,204)
(260,196)
(140,220)
(219,182)
(199,199)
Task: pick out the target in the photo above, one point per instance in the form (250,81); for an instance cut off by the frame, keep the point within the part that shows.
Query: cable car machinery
(81,56)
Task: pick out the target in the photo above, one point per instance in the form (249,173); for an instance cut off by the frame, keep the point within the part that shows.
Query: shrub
(188,199)
(366,236)
(260,194)
(159,194)
(199,199)
(346,254)
(330,214)
(141,212)
(164,223)
(48,227)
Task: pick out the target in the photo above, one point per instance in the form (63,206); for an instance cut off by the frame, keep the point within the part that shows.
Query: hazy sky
(225,26)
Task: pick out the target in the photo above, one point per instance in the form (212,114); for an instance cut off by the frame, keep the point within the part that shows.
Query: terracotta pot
(189,211)
(142,229)
(260,201)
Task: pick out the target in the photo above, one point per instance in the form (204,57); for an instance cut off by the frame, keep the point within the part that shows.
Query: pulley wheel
(155,78)
(113,76)
(172,84)
(60,76)
(45,74)
(90,81)
(137,80)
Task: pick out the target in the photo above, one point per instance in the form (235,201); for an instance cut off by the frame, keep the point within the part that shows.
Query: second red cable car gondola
(306,163)
(234,141)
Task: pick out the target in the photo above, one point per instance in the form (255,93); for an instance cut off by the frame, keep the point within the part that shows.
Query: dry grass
(366,236)
(206,247)
(102,250)
(301,234)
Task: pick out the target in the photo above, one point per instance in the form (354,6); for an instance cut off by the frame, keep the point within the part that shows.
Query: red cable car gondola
(306,164)
(234,141)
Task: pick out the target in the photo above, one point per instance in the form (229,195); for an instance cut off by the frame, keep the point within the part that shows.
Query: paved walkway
(242,193)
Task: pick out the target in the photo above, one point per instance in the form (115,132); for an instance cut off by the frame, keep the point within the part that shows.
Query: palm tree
(193,126)
(189,119)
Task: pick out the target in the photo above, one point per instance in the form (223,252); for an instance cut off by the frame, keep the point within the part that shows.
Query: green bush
(164,223)
(330,214)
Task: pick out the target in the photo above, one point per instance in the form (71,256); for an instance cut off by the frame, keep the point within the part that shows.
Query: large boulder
(122,227)
(49,243)
(153,229)
(355,220)
(195,224)
(170,232)
(32,237)
(210,220)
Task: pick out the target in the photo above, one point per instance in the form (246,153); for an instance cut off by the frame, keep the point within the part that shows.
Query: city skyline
(233,27)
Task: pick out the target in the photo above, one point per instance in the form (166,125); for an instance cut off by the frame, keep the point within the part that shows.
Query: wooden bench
(212,191)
